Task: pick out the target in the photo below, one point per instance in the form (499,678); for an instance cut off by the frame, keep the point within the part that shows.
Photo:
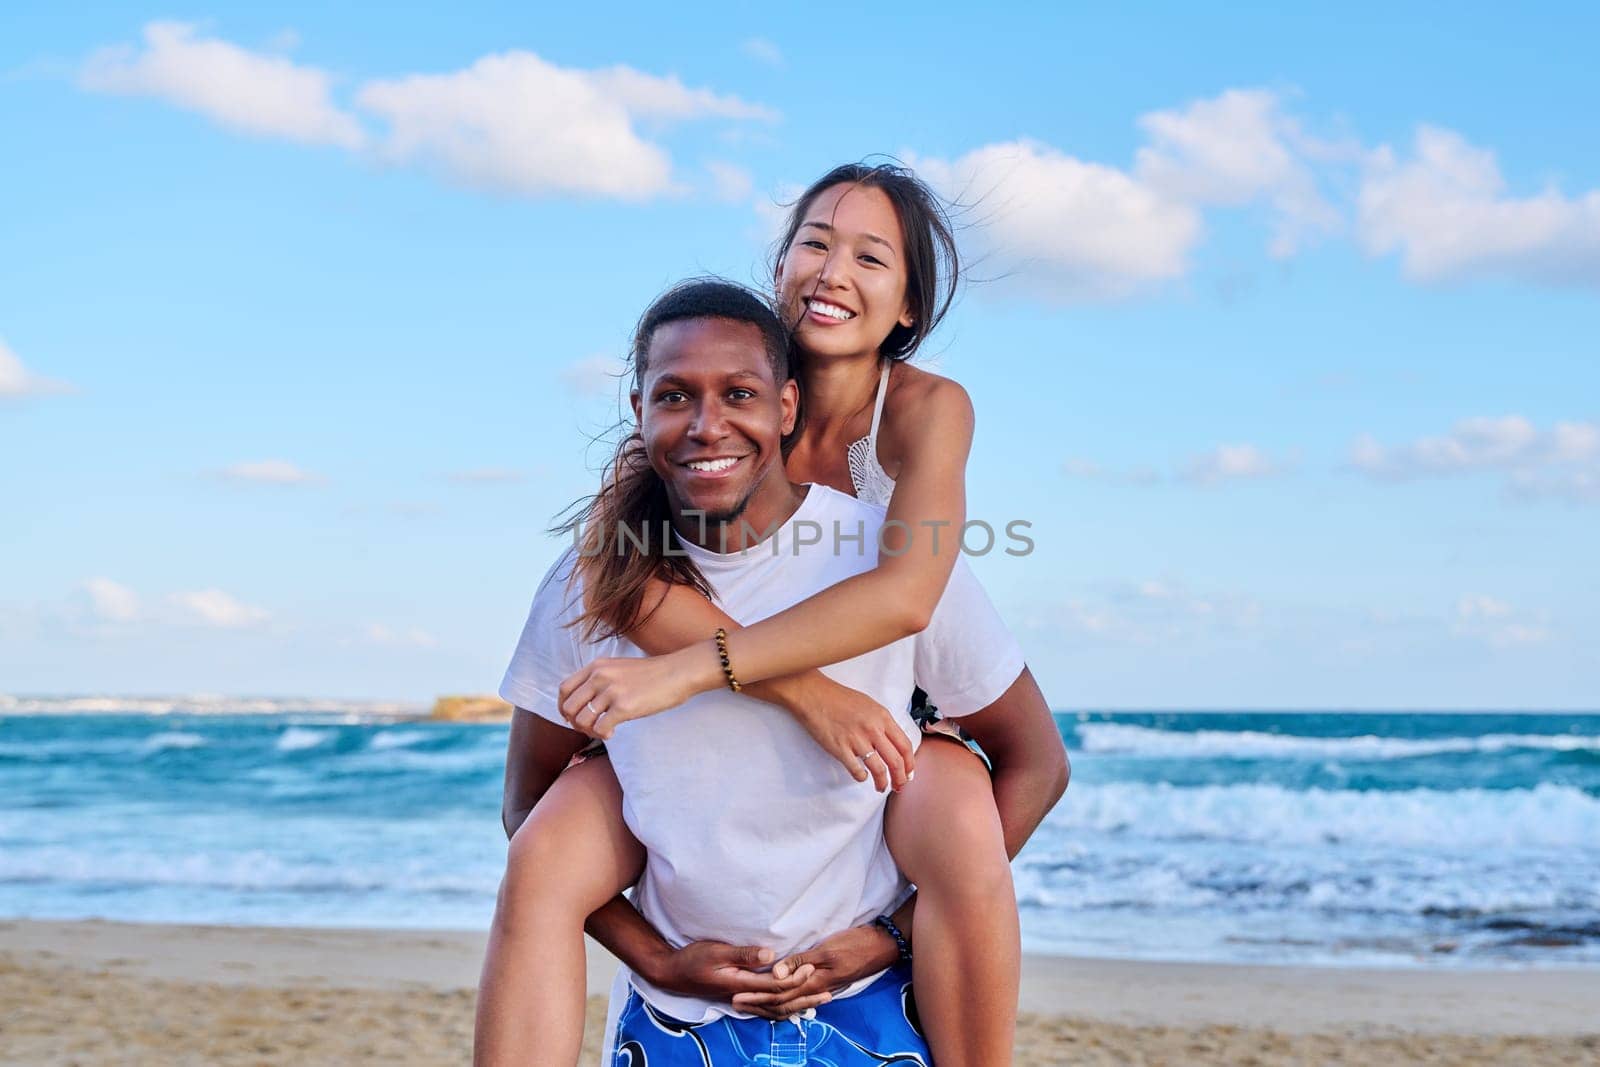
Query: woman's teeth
(830,310)
(711,464)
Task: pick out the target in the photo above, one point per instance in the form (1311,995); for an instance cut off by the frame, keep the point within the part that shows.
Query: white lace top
(866,473)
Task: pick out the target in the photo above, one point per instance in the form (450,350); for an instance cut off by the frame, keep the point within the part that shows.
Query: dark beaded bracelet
(722,654)
(886,924)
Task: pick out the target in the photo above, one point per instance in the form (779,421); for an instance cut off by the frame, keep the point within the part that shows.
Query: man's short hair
(713,298)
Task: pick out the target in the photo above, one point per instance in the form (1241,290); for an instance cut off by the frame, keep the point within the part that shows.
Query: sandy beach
(98,993)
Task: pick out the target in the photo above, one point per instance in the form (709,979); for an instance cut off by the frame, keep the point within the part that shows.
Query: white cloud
(1158,612)
(516,123)
(1064,228)
(269,472)
(213,607)
(759,48)
(1233,149)
(597,375)
(266,95)
(111,601)
(1485,618)
(1089,470)
(1447,213)
(732,184)
(486,476)
(1224,463)
(16,381)
(1227,463)
(379,634)
(1563,461)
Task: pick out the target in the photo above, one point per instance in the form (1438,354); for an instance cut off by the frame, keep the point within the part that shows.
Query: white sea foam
(390,739)
(169,740)
(298,738)
(200,704)
(1111,738)
(1546,816)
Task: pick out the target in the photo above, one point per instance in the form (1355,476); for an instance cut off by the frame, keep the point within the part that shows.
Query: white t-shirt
(754,834)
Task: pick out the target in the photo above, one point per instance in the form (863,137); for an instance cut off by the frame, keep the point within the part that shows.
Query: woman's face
(843,276)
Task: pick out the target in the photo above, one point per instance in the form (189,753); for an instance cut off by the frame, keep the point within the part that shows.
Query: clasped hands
(754,982)
(849,725)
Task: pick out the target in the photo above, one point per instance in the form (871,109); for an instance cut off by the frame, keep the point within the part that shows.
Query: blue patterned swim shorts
(878,1027)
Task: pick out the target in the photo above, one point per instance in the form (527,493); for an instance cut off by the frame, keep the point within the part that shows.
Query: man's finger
(785,1009)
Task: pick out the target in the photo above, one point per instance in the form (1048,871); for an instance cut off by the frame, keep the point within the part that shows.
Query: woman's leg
(571,856)
(945,835)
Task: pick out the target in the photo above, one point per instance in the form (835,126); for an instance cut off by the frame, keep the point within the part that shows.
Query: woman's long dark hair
(631,509)
(933,264)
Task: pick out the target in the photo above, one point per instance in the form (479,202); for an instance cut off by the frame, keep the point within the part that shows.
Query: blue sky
(1281,328)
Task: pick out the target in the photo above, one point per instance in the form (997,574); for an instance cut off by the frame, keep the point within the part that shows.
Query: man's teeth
(712,464)
(831,311)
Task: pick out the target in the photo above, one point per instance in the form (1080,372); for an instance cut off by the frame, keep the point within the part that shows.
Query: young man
(753,834)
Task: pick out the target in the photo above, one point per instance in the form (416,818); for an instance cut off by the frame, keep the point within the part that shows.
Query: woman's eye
(814,243)
(872,259)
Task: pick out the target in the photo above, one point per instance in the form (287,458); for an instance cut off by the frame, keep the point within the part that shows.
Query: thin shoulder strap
(877,407)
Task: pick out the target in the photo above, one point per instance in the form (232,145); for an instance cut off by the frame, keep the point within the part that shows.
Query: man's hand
(848,725)
(829,967)
(719,971)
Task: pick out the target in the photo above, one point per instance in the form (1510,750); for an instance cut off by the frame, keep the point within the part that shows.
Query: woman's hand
(608,692)
(854,729)
(829,967)
(720,971)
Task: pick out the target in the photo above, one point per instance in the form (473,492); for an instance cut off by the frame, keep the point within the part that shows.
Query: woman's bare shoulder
(922,407)
(915,394)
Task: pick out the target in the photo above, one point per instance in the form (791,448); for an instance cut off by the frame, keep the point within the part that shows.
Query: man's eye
(741,394)
(669,397)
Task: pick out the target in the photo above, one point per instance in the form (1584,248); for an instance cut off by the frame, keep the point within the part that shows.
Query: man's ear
(789,399)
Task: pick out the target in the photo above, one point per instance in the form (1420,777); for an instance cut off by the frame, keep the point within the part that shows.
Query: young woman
(865,271)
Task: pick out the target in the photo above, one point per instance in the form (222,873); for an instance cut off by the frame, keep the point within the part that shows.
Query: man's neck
(770,508)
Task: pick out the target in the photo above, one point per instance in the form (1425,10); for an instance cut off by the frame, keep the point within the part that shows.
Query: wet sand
(94,993)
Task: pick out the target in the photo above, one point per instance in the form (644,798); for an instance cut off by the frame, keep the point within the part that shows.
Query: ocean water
(1435,839)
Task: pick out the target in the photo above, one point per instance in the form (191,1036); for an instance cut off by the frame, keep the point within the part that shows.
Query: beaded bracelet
(722,654)
(887,925)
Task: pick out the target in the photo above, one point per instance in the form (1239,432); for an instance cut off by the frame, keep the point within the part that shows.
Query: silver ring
(868,754)
(590,706)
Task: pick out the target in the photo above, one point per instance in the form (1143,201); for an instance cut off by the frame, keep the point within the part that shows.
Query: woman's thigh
(576,836)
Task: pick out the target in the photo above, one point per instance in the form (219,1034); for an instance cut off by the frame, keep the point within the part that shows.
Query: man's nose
(709,423)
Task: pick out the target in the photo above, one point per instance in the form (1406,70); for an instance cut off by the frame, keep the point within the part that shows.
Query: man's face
(713,417)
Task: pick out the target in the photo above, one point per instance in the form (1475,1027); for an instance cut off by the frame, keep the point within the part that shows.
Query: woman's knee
(573,849)
(944,824)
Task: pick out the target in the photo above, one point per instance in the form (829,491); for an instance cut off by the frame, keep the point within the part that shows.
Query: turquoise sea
(1394,838)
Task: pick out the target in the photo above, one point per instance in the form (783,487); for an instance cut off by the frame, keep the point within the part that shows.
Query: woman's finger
(903,745)
(569,685)
(875,764)
(589,714)
(847,757)
(893,762)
